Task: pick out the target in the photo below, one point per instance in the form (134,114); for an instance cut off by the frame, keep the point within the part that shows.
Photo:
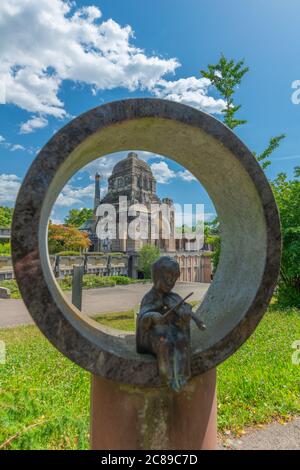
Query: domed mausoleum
(132,179)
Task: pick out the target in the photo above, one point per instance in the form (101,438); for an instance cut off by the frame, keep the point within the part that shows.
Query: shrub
(6,214)
(89,282)
(65,283)
(287,296)
(287,194)
(148,254)
(122,279)
(5,249)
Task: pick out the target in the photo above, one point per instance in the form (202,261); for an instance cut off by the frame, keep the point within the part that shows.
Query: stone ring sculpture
(250,233)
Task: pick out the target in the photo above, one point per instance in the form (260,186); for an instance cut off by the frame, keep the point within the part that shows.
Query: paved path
(274,436)
(107,299)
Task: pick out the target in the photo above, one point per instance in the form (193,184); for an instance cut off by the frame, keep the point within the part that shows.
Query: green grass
(39,386)
(259,383)
(120,320)
(45,398)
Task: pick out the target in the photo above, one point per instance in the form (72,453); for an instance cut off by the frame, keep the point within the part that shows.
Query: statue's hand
(183,313)
(171,300)
(185,310)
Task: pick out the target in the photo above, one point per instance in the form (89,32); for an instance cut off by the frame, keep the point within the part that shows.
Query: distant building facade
(133,180)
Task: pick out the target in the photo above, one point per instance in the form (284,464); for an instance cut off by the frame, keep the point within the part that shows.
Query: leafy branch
(226,75)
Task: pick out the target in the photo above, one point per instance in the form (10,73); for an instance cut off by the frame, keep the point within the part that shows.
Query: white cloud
(15,147)
(188,214)
(71,195)
(191,91)
(146,156)
(2,93)
(103,165)
(186,175)
(64,201)
(162,172)
(9,146)
(36,122)
(9,187)
(55,221)
(288,157)
(46,42)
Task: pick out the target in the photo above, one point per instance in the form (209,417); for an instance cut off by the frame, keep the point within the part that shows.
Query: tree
(212,237)
(263,157)
(63,238)
(77,217)
(287,194)
(147,255)
(226,75)
(6,214)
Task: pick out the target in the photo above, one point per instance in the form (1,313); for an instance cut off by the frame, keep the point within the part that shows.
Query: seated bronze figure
(163,325)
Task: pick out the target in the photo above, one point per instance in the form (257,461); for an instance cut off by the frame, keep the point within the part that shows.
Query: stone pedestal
(129,418)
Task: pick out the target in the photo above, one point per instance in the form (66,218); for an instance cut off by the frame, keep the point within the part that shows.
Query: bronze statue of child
(163,325)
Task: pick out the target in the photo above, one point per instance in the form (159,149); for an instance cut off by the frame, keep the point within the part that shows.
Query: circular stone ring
(250,233)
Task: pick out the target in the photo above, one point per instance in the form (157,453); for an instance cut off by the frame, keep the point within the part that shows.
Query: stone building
(133,180)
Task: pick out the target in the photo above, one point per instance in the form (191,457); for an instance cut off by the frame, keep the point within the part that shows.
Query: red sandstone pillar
(130,418)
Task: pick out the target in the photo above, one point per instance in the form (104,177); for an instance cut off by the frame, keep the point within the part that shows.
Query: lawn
(45,398)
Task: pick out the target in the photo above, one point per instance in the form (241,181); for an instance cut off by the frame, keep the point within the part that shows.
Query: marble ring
(251,241)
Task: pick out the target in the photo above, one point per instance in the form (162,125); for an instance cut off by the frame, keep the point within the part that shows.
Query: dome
(127,163)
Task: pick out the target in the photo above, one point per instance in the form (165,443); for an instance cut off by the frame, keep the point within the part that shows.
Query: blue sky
(50,71)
